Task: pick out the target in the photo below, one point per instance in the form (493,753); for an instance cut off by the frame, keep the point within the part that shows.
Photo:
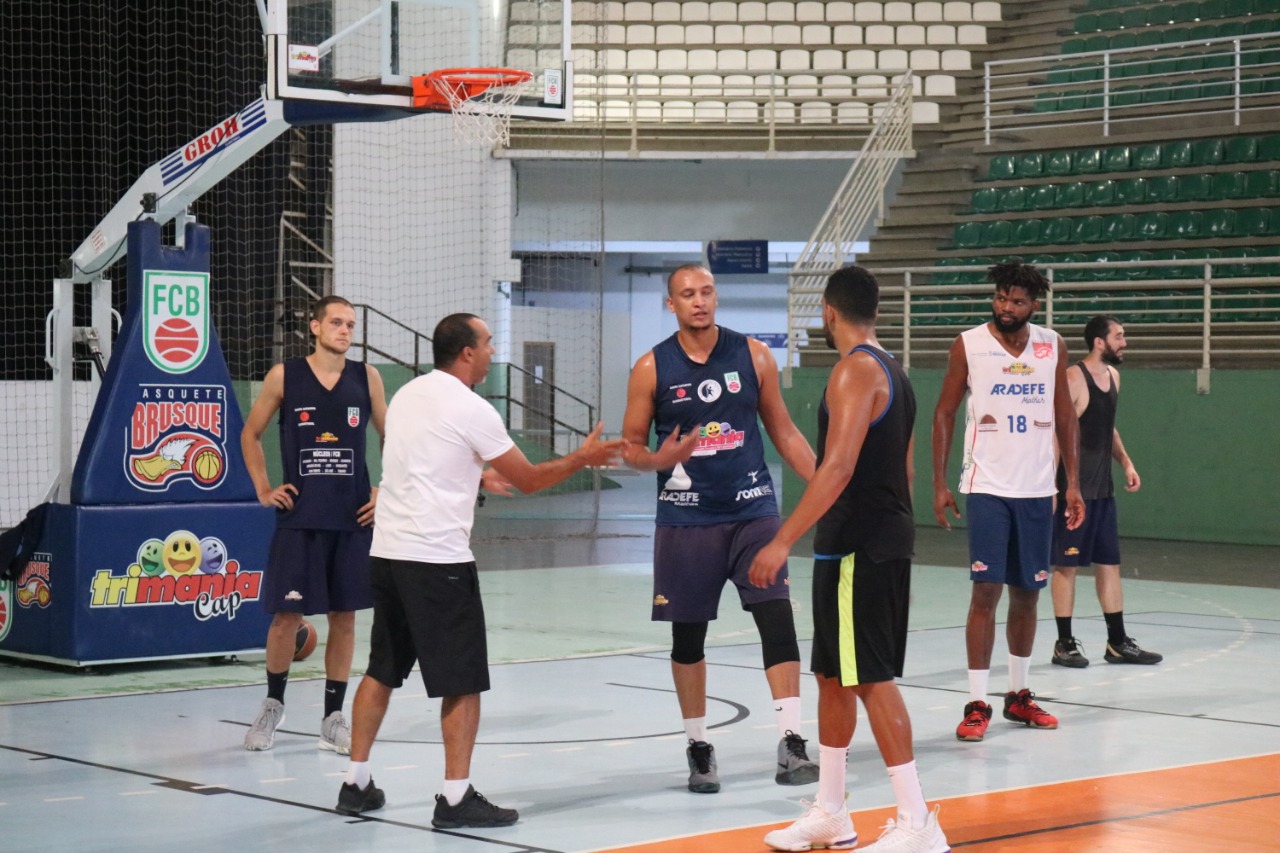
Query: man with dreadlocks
(1016,376)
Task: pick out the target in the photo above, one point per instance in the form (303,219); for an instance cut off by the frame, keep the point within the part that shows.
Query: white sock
(455,790)
(358,774)
(788,715)
(912,811)
(1019,670)
(831,778)
(978,684)
(695,729)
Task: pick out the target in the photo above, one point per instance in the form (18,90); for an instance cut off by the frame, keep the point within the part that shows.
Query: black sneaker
(703,778)
(1069,652)
(794,766)
(472,810)
(1127,651)
(353,800)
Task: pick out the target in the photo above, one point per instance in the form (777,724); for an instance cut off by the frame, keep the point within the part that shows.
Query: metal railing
(1227,75)
(858,202)
(549,413)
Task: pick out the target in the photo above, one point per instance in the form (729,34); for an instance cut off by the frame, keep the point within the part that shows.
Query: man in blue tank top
(1094,384)
(702,390)
(319,558)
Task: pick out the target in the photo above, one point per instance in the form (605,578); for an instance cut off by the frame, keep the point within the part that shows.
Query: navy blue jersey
(322,446)
(726,480)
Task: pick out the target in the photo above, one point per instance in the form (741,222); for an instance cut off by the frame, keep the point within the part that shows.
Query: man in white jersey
(1015,375)
(426,590)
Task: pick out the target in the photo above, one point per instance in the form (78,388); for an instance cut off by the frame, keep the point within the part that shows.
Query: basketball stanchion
(480,100)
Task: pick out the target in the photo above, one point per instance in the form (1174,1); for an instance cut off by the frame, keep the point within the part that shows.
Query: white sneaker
(335,734)
(897,838)
(262,733)
(818,828)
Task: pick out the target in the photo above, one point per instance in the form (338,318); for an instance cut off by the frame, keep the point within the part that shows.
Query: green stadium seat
(1088,161)
(1074,100)
(1217,87)
(1175,155)
(1071,46)
(1100,193)
(1181,306)
(997,233)
(1055,231)
(1227,185)
(1161,272)
(1148,157)
(1071,275)
(1131,191)
(1086,73)
(1151,225)
(1121,41)
(1046,102)
(1273,220)
(1148,37)
(1162,188)
(1042,197)
(1116,158)
(1266,7)
(1253,222)
(1013,199)
(968,235)
(1136,273)
(1240,149)
(1220,222)
(1002,167)
(1126,96)
(1119,228)
(1269,148)
(1262,183)
(1163,66)
(1212,9)
(1238,270)
(1258,25)
(925,310)
(945,277)
(1087,229)
(1185,225)
(1195,187)
(1157,93)
(1059,163)
(1204,32)
(1108,21)
(1093,43)
(985,200)
(1026,232)
(1030,165)
(1070,195)
(1133,19)
(1058,76)
(1230,29)
(1237,8)
(1184,92)
(1086,22)
(1183,13)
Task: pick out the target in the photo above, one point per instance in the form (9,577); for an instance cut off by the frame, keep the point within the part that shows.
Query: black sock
(276,682)
(334,694)
(1064,627)
(1115,627)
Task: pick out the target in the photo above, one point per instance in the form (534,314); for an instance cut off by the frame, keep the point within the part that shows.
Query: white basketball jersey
(1008,431)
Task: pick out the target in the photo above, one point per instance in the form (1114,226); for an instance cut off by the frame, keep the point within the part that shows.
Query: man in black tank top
(860,500)
(319,558)
(1095,390)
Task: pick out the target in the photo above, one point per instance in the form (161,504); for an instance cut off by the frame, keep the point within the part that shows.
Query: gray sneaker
(263,731)
(794,766)
(702,767)
(335,734)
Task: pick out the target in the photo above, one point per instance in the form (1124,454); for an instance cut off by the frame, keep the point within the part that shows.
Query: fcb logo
(175,319)
(732,383)
(1043,350)
(353,416)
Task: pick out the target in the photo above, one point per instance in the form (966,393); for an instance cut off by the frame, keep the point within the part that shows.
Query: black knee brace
(777,629)
(687,641)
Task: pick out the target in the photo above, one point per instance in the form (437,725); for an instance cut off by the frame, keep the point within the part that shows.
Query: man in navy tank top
(319,558)
(1095,391)
(702,390)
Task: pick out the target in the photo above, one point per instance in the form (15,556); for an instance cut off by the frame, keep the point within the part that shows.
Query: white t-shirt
(1008,429)
(439,435)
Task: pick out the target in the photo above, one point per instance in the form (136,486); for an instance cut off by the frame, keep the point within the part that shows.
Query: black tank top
(873,513)
(1097,430)
(322,446)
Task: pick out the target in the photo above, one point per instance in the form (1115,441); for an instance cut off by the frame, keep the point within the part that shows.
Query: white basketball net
(484,119)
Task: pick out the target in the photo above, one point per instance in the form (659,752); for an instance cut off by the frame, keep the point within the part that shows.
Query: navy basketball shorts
(429,613)
(860,618)
(692,564)
(1009,540)
(1096,541)
(318,571)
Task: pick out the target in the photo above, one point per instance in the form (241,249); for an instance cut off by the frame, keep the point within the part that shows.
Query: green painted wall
(1210,464)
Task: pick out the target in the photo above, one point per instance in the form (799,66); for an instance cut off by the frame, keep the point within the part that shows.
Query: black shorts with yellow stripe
(860,617)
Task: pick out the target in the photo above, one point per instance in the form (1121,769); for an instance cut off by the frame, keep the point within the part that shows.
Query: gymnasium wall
(1210,464)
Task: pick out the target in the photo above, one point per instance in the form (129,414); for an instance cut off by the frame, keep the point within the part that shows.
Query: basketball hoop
(480,100)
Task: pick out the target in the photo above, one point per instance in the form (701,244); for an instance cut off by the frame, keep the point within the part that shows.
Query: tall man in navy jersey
(718,508)
(319,558)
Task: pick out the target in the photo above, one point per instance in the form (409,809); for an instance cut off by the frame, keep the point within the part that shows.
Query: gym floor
(581,731)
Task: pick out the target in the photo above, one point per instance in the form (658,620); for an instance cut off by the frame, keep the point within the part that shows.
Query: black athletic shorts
(860,618)
(692,564)
(317,571)
(429,613)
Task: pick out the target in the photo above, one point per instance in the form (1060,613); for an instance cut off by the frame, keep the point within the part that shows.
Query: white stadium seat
(924,112)
(723,10)
(739,86)
(742,111)
(794,59)
(897,12)
(926,12)
(781,112)
(956,60)
(729,34)
(939,86)
(677,85)
(910,34)
(677,111)
(860,60)
(732,59)
(649,110)
(584,110)
(986,11)
(846,34)
(757,34)
(583,11)
(925,59)
(815,112)
(828,59)
(637,10)
(642,59)
(957,12)
(699,34)
(780,10)
(864,12)
(669,34)
(893,60)
(762,59)
(673,59)
(971,34)
(916,87)
(879,34)
(666,10)
(815,34)
(941,34)
(751,10)
(786,34)
(802,86)
(810,10)
(709,111)
(871,85)
(851,112)
(839,12)
(702,59)
(695,10)
(640,34)
(836,86)
(708,86)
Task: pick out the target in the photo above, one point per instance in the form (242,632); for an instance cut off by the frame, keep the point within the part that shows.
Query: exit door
(539,392)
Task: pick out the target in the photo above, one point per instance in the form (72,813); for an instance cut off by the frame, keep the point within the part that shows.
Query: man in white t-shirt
(426,591)
(1015,376)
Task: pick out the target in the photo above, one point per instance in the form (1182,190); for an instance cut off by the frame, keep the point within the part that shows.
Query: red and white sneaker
(977,716)
(1021,707)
